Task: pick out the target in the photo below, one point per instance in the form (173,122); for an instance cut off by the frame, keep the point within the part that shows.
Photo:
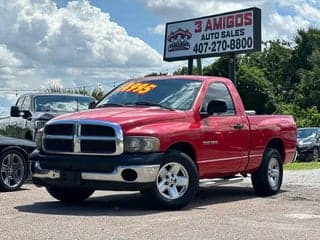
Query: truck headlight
(38,138)
(304,144)
(40,124)
(141,144)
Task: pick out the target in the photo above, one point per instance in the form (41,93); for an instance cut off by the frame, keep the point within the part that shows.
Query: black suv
(308,143)
(32,111)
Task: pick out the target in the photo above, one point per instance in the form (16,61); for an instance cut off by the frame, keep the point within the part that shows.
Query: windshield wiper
(111,105)
(153,104)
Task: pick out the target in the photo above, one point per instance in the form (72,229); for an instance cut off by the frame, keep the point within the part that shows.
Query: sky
(93,43)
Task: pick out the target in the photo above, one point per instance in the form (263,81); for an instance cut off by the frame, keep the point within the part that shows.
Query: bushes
(309,117)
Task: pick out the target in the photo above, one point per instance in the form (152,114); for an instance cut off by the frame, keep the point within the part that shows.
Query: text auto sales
(224,33)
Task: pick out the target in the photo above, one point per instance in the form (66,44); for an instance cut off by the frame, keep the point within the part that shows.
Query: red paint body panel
(220,149)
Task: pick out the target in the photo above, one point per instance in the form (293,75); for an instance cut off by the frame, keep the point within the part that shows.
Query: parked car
(164,136)
(14,167)
(32,111)
(308,143)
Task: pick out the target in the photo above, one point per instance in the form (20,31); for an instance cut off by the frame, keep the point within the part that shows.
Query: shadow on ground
(131,204)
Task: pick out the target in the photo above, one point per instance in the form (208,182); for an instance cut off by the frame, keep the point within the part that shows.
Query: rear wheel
(13,170)
(176,184)
(267,179)
(69,194)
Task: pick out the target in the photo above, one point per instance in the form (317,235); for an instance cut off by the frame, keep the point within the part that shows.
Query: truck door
(225,136)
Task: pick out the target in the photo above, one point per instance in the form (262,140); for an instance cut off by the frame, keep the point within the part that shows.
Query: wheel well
(18,149)
(186,148)
(277,144)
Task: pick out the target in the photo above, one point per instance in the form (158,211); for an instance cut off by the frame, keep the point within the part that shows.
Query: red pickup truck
(163,136)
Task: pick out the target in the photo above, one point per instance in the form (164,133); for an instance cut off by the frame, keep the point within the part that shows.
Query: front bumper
(307,149)
(124,172)
(304,152)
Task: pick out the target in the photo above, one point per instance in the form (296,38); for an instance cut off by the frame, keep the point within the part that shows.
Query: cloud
(77,35)
(159,29)
(74,45)
(7,58)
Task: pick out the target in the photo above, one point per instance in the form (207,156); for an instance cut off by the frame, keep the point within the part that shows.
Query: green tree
(255,90)
(184,71)
(308,91)
(308,117)
(219,68)
(156,74)
(98,93)
(307,41)
(57,89)
(274,61)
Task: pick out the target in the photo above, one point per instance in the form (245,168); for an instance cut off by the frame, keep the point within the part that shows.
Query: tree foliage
(97,92)
(255,90)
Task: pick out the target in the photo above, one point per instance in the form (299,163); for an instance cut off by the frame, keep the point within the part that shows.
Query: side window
(19,102)
(219,91)
(26,104)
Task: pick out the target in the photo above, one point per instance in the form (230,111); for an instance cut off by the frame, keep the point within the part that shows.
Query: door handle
(238,126)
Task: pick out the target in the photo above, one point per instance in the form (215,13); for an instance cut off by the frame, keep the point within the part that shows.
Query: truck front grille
(86,137)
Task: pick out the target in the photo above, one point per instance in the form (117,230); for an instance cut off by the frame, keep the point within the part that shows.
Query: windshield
(307,133)
(66,104)
(175,94)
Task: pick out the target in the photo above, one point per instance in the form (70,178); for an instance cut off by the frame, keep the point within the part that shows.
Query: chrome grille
(86,137)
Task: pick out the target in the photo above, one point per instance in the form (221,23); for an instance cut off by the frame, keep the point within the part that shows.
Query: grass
(302,165)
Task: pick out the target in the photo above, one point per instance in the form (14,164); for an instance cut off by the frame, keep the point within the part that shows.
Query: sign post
(228,33)
(232,68)
(190,66)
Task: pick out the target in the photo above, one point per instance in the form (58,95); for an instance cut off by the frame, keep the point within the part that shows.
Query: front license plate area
(70,178)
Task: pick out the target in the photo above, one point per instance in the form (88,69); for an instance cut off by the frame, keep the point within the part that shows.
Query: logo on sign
(178,40)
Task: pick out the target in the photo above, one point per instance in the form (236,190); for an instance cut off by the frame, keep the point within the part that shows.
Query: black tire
(13,170)
(69,195)
(179,188)
(267,179)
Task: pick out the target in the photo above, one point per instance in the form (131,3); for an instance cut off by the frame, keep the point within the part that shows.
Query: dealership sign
(232,32)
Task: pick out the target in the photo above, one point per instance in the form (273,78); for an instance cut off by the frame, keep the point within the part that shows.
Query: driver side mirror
(216,107)
(27,114)
(14,111)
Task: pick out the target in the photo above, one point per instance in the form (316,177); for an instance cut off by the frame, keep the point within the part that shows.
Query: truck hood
(127,117)
(46,115)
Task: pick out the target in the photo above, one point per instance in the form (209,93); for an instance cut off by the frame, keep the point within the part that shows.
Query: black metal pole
(190,66)
(232,68)
(199,66)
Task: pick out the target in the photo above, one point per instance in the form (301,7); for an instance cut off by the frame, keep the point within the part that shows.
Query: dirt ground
(224,212)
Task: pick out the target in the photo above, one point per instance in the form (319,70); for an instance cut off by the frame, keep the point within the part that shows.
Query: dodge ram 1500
(163,136)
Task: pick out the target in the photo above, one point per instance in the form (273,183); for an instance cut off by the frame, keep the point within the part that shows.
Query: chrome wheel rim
(274,173)
(172,180)
(12,170)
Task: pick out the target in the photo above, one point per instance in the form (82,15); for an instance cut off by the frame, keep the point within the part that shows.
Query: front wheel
(13,170)
(176,184)
(69,195)
(267,179)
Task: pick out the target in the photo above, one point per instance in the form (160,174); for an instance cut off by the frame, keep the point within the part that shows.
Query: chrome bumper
(144,174)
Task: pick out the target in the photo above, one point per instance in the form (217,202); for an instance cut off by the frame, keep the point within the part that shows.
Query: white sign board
(233,32)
